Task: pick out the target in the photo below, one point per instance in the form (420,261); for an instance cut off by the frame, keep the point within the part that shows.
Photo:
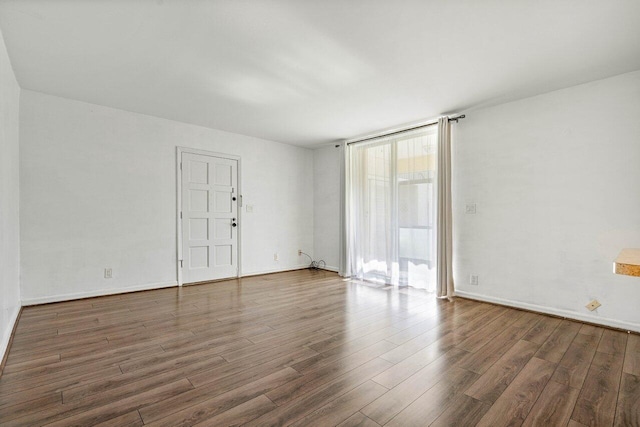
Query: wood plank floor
(307,348)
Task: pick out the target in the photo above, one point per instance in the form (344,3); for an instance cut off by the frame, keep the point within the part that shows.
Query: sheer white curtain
(390,209)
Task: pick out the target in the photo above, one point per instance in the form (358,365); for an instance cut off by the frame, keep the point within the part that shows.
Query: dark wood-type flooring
(307,348)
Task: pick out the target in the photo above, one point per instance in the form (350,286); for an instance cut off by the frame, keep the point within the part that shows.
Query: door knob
(233,222)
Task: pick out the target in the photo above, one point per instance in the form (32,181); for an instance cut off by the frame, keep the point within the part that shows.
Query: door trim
(179,151)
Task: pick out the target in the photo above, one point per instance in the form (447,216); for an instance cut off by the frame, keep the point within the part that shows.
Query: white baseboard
(277,270)
(97,293)
(146,287)
(4,345)
(628,326)
(300,267)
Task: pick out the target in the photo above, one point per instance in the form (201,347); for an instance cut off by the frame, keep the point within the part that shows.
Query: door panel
(209,237)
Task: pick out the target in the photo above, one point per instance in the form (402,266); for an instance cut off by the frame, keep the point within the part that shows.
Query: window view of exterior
(394,190)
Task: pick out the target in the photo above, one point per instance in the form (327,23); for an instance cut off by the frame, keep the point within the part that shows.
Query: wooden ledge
(628,263)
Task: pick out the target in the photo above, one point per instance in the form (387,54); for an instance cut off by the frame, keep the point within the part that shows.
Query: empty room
(320,213)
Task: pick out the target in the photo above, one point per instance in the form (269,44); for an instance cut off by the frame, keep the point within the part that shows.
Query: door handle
(233,222)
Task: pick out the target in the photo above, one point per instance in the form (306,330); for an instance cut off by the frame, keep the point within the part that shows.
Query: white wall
(9,199)
(98,189)
(556,180)
(326,195)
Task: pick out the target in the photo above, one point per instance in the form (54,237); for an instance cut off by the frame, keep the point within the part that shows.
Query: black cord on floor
(315,265)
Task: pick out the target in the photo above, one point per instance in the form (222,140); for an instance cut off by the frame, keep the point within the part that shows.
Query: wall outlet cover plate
(593,305)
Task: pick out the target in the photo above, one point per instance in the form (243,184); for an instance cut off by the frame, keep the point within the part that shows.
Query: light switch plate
(471,208)
(593,305)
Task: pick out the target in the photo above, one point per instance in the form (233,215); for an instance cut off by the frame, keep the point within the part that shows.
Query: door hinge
(180,263)
(180,165)
(180,215)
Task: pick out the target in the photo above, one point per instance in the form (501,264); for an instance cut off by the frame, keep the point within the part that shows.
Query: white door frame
(179,151)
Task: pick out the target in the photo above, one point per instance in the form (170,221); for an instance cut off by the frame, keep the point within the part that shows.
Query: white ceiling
(313,71)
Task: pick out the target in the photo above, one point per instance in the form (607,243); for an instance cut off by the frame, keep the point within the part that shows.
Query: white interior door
(209,217)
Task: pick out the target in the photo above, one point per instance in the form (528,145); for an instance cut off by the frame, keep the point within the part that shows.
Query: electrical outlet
(275,257)
(593,305)
(108,273)
(473,280)
(299,252)
(249,208)
(471,208)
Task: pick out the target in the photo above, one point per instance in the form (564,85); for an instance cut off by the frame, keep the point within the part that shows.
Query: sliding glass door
(393,199)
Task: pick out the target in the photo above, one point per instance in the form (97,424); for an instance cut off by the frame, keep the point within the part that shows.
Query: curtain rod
(451,119)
